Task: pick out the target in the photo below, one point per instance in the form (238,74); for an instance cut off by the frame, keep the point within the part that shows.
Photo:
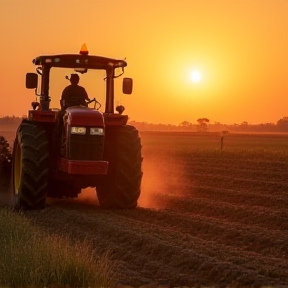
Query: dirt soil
(200,221)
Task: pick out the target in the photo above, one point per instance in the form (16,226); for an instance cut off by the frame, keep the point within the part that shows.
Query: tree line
(11,119)
(205,125)
(201,125)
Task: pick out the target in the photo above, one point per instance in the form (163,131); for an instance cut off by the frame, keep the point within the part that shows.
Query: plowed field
(205,216)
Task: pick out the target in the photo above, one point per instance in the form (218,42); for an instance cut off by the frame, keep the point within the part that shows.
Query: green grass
(31,258)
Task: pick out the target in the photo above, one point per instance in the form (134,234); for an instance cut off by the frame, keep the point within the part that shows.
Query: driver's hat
(74,78)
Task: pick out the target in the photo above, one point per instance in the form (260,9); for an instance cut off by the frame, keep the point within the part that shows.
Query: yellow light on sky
(195,76)
(239,48)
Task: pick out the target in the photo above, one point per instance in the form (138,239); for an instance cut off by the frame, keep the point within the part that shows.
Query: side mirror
(31,80)
(127,86)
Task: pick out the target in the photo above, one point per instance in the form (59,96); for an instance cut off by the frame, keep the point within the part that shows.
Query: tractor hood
(83,116)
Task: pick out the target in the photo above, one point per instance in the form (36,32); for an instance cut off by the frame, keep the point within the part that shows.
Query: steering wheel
(95,103)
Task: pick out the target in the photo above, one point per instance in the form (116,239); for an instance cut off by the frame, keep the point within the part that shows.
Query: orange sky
(239,46)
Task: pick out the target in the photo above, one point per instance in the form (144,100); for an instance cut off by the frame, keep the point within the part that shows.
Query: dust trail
(88,196)
(162,182)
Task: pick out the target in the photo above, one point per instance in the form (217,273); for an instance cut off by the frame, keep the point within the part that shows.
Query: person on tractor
(74,94)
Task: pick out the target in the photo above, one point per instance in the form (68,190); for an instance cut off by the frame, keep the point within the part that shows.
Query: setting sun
(192,54)
(195,76)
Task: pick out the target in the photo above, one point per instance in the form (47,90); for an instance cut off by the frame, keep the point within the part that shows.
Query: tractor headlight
(96,131)
(78,130)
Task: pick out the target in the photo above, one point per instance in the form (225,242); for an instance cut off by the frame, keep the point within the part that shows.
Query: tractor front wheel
(30,167)
(121,187)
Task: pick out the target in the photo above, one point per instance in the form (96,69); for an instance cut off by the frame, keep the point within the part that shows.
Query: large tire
(30,167)
(122,186)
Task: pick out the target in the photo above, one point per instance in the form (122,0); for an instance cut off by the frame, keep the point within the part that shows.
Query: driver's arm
(64,97)
(85,95)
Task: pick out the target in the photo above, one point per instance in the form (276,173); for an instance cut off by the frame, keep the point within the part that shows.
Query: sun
(195,76)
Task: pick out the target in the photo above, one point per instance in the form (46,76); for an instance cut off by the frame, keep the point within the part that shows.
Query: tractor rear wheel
(30,167)
(121,187)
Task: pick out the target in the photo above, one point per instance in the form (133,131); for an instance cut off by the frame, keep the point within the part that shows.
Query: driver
(74,94)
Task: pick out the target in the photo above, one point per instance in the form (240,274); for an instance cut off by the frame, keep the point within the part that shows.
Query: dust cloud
(162,182)
(88,196)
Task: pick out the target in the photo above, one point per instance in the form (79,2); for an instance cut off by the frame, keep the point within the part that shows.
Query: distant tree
(202,124)
(244,126)
(185,125)
(283,124)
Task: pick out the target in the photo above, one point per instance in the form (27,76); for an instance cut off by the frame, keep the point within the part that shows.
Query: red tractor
(58,152)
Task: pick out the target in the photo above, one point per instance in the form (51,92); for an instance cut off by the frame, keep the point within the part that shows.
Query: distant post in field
(222,138)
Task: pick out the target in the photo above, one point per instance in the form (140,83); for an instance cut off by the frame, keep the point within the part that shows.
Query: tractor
(57,152)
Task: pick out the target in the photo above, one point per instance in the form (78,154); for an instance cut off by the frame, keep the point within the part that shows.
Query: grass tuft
(30,258)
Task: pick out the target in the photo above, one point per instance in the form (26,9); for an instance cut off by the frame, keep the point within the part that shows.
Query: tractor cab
(81,63)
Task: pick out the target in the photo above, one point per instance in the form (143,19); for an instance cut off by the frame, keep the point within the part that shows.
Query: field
(206,216)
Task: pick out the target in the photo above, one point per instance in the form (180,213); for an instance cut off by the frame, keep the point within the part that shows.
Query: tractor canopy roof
(79,61)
